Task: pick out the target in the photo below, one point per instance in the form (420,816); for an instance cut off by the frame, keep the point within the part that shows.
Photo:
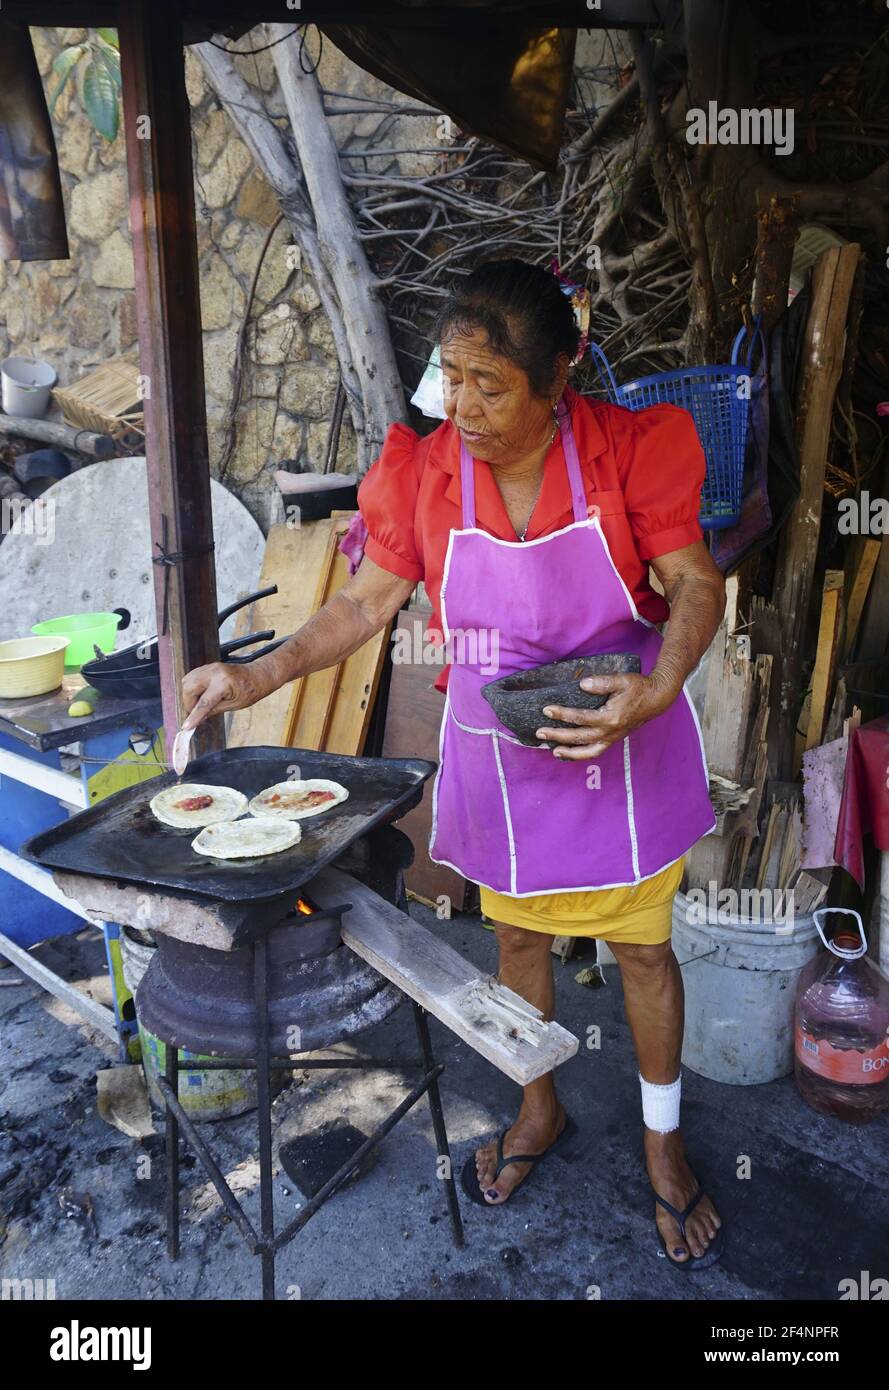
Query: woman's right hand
(218,688)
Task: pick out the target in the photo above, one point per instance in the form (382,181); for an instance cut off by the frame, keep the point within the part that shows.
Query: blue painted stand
(36,730)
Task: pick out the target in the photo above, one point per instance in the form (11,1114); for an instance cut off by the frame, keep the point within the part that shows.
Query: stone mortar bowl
(520,699)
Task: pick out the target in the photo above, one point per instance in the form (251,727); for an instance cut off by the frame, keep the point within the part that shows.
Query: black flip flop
(714,1249)
(469,1176)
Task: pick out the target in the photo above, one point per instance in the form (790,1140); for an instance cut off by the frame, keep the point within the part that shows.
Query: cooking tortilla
(294,800)
(210,805)
(251,838)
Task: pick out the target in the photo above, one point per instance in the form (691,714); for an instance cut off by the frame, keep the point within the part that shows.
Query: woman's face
(489,400)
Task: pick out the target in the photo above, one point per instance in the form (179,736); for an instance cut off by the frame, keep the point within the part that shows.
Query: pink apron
(516,819)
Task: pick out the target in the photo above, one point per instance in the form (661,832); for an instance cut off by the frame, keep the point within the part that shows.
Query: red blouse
(643,470)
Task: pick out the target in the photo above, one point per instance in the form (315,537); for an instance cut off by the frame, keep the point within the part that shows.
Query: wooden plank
(822,361)
(330,709)
(744,843)
(809,891)
(722,857)
(358,680)
(873,633)
(825,654)
(728,700)
(769,847)
(834,726)
(292,560)
(792,848)
(311,699)
(865,564)
(413,720)
(447,985)
(168,314)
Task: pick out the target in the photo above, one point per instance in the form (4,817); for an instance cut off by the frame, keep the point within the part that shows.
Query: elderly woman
(532,515)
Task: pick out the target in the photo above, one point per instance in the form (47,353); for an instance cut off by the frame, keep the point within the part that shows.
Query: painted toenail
(678,1250)
(492,1192)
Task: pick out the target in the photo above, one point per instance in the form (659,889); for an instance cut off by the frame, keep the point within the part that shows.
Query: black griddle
(120,839)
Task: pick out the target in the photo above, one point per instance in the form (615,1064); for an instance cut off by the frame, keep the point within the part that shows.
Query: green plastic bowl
(85,631)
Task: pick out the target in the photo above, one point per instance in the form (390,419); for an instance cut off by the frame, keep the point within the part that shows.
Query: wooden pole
(157,123)
(832,282)
(101,446)
(777,229)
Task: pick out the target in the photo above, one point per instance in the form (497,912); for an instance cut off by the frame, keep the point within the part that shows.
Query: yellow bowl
(31,666)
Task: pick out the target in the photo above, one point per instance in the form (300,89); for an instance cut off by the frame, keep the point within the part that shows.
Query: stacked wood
(734,726)
(823,356)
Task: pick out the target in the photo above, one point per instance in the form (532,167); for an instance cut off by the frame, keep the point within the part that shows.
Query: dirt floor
(82,1204)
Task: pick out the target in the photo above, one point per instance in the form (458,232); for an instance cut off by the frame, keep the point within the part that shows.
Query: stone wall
(80,312)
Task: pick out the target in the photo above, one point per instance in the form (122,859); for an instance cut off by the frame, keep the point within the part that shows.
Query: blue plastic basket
(718,399)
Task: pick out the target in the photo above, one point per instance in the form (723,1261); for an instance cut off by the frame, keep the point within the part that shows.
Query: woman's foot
(533,1133)
(672,1178)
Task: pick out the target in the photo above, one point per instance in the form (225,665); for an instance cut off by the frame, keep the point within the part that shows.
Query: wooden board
(330,710)
(825,654)
(729,696)
(293,558)
(413,721)
(821,367)
(864,564)
(506,1030)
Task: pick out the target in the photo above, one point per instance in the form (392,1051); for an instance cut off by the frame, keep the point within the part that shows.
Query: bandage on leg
(660,1105)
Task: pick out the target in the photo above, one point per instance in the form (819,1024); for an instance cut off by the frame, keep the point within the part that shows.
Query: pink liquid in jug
(842,1032)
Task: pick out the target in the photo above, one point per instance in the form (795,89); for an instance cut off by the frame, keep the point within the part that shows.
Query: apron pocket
(569,820)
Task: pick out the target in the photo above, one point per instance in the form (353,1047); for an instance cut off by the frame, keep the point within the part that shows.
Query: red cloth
(865,804)
(642,469)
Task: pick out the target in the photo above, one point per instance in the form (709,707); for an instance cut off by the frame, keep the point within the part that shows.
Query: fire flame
(305,908)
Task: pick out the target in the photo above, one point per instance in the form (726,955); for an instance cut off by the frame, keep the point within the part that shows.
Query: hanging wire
(248,52)
(302,48)
(298,29)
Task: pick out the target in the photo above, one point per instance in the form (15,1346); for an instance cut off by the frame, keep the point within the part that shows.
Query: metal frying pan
(134,672)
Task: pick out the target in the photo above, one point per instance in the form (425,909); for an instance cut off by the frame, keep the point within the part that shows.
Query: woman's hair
(523,312)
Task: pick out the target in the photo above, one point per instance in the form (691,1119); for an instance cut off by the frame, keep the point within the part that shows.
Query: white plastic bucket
(740,981)
(26,384)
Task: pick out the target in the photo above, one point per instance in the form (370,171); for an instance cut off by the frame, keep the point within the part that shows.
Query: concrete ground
(82,1204)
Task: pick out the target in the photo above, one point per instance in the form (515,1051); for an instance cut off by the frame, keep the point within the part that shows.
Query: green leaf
(112,63)
(64,61)
(109,36)
(63,64)
(100,99)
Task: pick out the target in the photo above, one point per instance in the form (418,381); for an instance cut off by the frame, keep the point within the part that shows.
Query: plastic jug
(842,1027)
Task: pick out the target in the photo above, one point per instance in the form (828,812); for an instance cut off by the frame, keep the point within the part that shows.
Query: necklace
(523,533)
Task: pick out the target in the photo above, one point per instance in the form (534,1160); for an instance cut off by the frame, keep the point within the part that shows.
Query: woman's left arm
(695,590)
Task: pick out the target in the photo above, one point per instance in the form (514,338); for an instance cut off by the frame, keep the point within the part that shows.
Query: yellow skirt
(640,914)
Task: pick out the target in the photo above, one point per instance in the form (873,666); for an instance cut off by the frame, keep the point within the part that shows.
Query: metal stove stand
(266,1242)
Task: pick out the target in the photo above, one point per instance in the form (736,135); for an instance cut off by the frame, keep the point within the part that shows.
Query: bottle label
(846,1064)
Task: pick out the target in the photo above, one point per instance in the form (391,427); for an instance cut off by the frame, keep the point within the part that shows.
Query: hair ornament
(579,296)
